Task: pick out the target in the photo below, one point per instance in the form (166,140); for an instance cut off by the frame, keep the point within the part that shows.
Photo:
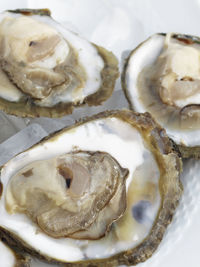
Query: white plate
(120,26)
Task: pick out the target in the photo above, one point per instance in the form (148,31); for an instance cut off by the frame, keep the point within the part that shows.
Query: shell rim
(186,152)
(170,198)
(109,74)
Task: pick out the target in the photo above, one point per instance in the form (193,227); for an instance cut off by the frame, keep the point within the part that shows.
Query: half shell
(137,144)
(162,76)
(50,70)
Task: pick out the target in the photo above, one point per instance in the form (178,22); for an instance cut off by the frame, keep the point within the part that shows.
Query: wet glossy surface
(121,25)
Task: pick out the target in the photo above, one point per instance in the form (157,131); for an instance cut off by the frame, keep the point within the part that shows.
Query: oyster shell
(135,154)
(162,76)
(10,259)
(82,190)
(49,70)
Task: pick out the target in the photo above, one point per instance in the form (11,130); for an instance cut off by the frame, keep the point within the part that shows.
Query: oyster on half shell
(162,76)
(47,70)
(100,192)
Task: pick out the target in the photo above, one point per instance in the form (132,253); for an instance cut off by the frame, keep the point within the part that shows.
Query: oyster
(162,76)
(99,193)
(49,70)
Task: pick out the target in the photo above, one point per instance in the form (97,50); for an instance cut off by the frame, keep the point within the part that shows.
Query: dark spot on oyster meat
(186,41)
(68,182)
(139,210)
(67,174)
(187,78)
(28,173)
(32,43)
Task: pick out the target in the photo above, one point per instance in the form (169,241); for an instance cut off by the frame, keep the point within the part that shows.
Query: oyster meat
(82,190)
(100,192)
(162,76)
(48,70)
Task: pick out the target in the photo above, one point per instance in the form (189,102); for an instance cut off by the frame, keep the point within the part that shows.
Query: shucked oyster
(83,190)
(46,70)
(162,76)
(100,192)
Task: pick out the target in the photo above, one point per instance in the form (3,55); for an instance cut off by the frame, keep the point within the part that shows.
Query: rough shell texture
(170,189)
(27,108)
(186,152)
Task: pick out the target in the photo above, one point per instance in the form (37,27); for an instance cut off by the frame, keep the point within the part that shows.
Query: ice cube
(10,125)
(21,141)
(37,263)
(116,101)
(52,125)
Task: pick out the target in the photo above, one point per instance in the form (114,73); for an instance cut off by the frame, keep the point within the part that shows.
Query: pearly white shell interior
(143,56)
(6,256)
(87,55)
(125,144)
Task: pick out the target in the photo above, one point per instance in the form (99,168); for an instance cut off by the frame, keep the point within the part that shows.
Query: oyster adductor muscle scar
(104,199)
(47,70)
(162,76)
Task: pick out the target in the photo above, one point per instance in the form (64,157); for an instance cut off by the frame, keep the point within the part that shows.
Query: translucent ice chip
(21,141)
